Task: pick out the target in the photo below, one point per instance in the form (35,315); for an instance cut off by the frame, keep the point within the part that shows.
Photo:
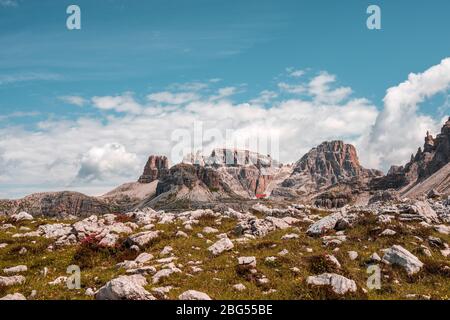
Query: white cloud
(121,103)
(292,88)
(75,100)
(400,127)
(78,155)
(102,163)
(64,154)
(295,73)
(173,98)
(223,93)
(319,87)
(8,3)
(264,97)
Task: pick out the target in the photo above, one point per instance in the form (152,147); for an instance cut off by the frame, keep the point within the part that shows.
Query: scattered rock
(194,295)
(290,236)
(247,262)
(400,256)
(220,246)
(388,232)
(16,269)
(142,238)
(15,296)
(239,287)
(352,255)
(11,281)
(339,284)
(324,224)
(21,216)
(181,234)
(209,230)
(125,288)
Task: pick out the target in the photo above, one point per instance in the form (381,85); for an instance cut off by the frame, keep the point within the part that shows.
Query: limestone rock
(194,295)
(125,288)
(11,281)
(15,296)
(21,216)
(142,238)
(339,284)
(220,246)
(402,257)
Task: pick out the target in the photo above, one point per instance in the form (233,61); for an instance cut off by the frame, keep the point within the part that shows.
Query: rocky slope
(56,204)
(224,174)
(154,169)
(268,252)
(328,164)
(428,163)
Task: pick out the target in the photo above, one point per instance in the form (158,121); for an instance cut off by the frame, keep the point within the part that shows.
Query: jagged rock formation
(328,164)
(247,173)
(56,204)
(425,164)
(224,174)
(156,167)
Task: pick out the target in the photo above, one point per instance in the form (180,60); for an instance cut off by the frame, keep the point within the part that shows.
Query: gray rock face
(52,231)
(15,296)
(164,273)
(16,269)
(155,168)
(11,281)
(194,295)
(434,156)
(142,238)
(59,205)
(329,163)
(21,216)
(402,257)
(220,246)
(339,284)
(125,288)
(247,262)
(424,212)
(324,224)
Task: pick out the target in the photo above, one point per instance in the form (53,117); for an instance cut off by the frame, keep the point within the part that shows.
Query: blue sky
(137,48)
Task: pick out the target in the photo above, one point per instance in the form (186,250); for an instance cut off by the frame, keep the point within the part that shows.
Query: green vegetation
(221,273)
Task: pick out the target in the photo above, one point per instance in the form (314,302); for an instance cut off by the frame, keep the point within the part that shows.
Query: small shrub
(319,264)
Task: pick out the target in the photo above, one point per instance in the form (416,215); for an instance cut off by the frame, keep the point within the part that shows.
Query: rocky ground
(291,252)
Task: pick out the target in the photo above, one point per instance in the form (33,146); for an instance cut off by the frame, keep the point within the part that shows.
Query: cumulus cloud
(400,127)
(78,155)
(292,88)
(223,93)
(319,87)
(119,103)
(295,73)
(110,160)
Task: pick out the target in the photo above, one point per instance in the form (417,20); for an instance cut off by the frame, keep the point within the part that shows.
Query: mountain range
(329,175)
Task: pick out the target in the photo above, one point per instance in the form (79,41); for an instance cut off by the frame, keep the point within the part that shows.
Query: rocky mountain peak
(154,169)
(328,164)
(434,155)
(230,158)
(331,162)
